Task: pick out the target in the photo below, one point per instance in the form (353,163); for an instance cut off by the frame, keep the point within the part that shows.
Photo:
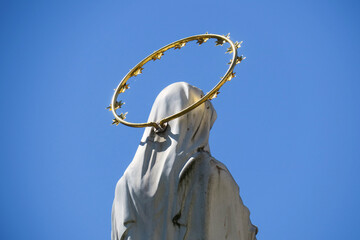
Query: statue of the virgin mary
(174,189)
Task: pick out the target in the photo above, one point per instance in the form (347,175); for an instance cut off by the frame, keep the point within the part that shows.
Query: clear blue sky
(287,128)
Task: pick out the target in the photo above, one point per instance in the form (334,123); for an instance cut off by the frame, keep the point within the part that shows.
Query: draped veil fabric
(174,189)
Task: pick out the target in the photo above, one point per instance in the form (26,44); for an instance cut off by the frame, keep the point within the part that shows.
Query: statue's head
(194,126)
(178,96)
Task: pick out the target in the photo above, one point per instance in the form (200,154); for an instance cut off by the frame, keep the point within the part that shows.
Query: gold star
(239,59)
(117,105)
(202,40)
(157,56)
(137,71)
(238,44)
(115,122)
(220,42)
(229,50)
(124,88)
(232,75)
(180,45)
(123,115)
(214,95)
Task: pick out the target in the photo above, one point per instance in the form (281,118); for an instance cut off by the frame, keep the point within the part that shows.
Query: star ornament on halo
(123,115)
(117,105)
(138,71)
(236,44)
(124,88)
(232,75)
(214,95)
(238,59)
(202,40)
(157,56)
(115,122)
(180,45)
(220,42)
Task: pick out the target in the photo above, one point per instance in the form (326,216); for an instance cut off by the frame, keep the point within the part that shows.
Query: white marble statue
(174,189)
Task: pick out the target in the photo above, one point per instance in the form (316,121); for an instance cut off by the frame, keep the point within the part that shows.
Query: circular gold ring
(202,38)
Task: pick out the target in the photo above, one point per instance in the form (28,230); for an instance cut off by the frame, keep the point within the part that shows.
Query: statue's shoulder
(217,164)
(204,160)
(220,172)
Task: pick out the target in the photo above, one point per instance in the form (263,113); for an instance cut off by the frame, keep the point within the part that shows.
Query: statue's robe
(174,189)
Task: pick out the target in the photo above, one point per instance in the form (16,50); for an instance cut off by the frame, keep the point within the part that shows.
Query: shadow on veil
(163,138)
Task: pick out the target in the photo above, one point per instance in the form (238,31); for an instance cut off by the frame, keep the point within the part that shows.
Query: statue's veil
(146,195)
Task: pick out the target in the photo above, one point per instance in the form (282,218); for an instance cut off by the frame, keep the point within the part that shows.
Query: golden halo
(202,38)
